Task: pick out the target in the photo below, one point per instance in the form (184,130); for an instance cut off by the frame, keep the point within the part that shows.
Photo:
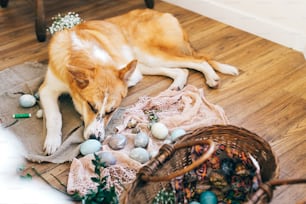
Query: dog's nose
(93,136)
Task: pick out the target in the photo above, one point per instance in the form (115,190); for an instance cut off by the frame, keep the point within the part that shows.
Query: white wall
(281,21)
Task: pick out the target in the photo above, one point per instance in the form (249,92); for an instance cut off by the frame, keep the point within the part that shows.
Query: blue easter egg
(90,146)
(177,133)
(194,202)
(140,154)
(208,197)
(141,140)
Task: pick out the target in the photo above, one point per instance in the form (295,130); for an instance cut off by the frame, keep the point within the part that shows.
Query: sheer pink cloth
(187,109)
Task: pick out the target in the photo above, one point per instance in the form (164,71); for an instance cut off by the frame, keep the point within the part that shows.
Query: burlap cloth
(26,78)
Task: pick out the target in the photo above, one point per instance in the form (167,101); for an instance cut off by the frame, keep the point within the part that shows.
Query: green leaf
(95,179)
(26,177)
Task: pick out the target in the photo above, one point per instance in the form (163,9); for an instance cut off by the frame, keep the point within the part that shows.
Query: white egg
(140,154)
(27,101)
(159,131)
(90,146)
(39,113)
(177,133)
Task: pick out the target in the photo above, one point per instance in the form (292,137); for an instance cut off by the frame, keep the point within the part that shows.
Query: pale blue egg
(108,158)
(140,154)
(194,202)
(90,146)
(141,140)
(27,101)
(153,153)
(177,133)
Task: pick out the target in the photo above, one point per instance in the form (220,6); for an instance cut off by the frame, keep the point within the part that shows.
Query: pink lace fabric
(187,109)
(119,175)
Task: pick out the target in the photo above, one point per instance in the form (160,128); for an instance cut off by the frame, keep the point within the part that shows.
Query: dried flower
(64,22)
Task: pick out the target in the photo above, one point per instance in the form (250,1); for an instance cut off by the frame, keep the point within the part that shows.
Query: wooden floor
(268,97)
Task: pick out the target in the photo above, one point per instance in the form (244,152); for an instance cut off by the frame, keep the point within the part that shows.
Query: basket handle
(186,169)
(265,191)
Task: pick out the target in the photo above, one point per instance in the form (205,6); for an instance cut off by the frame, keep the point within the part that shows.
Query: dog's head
(97,91)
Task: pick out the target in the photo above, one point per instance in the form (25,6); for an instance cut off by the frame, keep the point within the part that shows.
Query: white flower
(64,22)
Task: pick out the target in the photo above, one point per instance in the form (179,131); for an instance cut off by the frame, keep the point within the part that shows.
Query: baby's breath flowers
(66,21)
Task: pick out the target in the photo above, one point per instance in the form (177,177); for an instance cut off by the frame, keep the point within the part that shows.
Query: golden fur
(96,61)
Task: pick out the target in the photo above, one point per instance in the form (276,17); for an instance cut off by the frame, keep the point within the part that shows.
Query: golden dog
(96,61)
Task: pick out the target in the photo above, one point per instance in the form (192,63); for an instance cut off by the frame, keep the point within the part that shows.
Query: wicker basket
(174,160)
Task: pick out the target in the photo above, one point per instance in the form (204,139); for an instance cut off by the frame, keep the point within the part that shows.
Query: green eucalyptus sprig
(103,194)
(61,22)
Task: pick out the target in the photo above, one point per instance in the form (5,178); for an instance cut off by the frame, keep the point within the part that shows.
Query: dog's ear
(128,70)
(81,68)
(79,76)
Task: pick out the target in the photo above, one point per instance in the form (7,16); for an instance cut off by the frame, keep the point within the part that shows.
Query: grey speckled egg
(140,154)
(90,146)
(177,133)
(27,101)
(108,158)
(141,140)
(159,130)
(117,142)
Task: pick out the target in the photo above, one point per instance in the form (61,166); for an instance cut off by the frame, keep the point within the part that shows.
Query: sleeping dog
(96,61)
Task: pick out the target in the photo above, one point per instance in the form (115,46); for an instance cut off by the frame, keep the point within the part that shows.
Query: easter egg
(177,133)
(208,197)
(108,158)
(228,166)
(39,113)
(167,141)
(27,101)
(36,95)
(139,154)
(194,202)
(159,130)
(117,142)
(141,140)
(90,146)
(153,153)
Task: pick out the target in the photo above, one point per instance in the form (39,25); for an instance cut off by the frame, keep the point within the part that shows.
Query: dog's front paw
(52,143)
(213,81)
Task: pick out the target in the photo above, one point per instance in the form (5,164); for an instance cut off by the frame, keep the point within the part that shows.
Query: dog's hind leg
(49,93)
(193,61)
(178,75)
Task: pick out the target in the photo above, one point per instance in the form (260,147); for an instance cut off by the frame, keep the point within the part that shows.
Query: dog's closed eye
(92,108)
